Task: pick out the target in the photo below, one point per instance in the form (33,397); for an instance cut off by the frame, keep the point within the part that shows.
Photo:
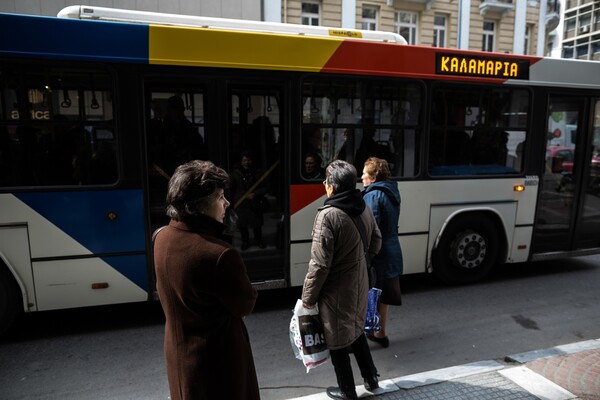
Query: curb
(556,351)
(530,381)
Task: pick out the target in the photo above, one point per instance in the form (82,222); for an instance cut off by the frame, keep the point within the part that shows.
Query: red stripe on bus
(395,60)
(303,195)
(381,59)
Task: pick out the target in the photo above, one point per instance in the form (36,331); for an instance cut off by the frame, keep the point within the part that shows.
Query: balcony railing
(499,6)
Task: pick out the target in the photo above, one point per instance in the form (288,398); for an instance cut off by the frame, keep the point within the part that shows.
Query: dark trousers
(340,359)
(246,237)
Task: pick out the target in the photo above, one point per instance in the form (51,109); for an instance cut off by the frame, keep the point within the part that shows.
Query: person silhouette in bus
(182,140)
(261,142)
(248,190)
(346,151)
(311,141)
(312,167)
(368,148)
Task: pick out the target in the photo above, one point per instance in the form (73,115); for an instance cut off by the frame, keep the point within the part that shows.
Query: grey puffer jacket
(337,272)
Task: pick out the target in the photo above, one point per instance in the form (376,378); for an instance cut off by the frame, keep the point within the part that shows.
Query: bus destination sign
(479,66)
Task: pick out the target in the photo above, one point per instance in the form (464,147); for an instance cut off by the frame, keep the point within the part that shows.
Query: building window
(488,37)
(311,13)
(570,24)
(582,48)
(405,24)
(550,47)
(596,50)
(567,51)
(439,31)
(527,39)
(369,18)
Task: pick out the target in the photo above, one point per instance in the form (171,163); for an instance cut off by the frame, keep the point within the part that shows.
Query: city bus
(95,106)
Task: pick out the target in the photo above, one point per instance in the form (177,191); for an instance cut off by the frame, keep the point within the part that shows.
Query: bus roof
(145,17)
(27,36)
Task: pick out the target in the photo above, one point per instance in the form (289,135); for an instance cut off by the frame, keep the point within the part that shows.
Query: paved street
(116,352)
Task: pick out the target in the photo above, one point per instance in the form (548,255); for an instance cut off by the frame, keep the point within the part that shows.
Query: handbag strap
(361,230)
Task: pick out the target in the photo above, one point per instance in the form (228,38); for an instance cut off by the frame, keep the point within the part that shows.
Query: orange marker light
(519,188)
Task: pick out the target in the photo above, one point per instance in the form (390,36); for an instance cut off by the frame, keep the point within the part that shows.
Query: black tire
(467,251)
(10,300)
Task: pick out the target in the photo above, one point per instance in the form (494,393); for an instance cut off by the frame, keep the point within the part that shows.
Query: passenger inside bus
(312,167)
(346,151)
(312,141)
(248,190)
(181,141)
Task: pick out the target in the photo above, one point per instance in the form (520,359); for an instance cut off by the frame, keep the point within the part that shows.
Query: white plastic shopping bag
(307,336)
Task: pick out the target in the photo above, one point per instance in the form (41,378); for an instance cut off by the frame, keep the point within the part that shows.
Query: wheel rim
(468,250)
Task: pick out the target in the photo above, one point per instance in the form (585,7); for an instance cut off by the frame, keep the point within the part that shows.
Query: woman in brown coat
(204,291)
(337,277)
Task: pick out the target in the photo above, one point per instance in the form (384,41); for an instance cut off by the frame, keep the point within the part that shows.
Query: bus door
(256,142)
(568,213)
(175,134)
(588,232)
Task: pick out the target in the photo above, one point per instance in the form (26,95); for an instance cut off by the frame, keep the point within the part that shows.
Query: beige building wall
(239,9)
(330,15)
(504,21)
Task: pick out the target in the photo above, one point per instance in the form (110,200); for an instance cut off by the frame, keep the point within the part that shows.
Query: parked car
(560,158)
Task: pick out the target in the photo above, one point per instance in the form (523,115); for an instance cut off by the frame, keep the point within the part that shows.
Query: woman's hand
(308,306)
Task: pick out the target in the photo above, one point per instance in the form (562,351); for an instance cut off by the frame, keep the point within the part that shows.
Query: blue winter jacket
(384,199)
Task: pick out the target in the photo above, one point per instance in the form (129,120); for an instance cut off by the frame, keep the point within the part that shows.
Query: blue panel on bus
(25,36)
(133,267)
(102,221)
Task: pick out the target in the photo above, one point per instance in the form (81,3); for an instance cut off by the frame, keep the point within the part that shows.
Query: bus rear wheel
(10,304)
(467,251)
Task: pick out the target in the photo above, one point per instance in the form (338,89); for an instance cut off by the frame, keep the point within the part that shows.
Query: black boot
(371,383)
(337,393)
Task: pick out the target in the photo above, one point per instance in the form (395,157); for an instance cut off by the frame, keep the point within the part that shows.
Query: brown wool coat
(205,293)
(337,274)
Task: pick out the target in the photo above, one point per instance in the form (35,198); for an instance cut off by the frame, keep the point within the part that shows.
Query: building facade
(506,26)
(520,27)
(240,9)
(581,30)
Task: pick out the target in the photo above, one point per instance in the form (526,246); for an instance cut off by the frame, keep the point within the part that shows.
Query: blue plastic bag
(372,324)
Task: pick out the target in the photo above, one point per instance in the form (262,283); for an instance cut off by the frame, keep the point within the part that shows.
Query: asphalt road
(116,352)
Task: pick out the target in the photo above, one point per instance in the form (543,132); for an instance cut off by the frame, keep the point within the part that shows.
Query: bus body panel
(84,282)
(520,248)
(422,221)
(45,238)
(414,253)
(114,222)
(299,258)
(559,72)
(60,252)
(14,252)
(34,36)
(233,49)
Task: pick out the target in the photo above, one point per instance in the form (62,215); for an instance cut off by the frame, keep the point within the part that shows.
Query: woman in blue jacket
(382,195)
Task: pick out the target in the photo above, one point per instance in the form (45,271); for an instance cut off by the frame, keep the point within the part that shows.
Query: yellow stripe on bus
(219,48)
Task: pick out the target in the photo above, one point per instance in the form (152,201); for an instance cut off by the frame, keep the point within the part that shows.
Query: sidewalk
(565,372)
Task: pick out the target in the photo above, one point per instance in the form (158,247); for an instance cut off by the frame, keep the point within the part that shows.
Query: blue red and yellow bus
(86,151)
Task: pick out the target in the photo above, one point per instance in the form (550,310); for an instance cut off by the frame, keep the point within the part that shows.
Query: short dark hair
(191,186)
(341,175)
